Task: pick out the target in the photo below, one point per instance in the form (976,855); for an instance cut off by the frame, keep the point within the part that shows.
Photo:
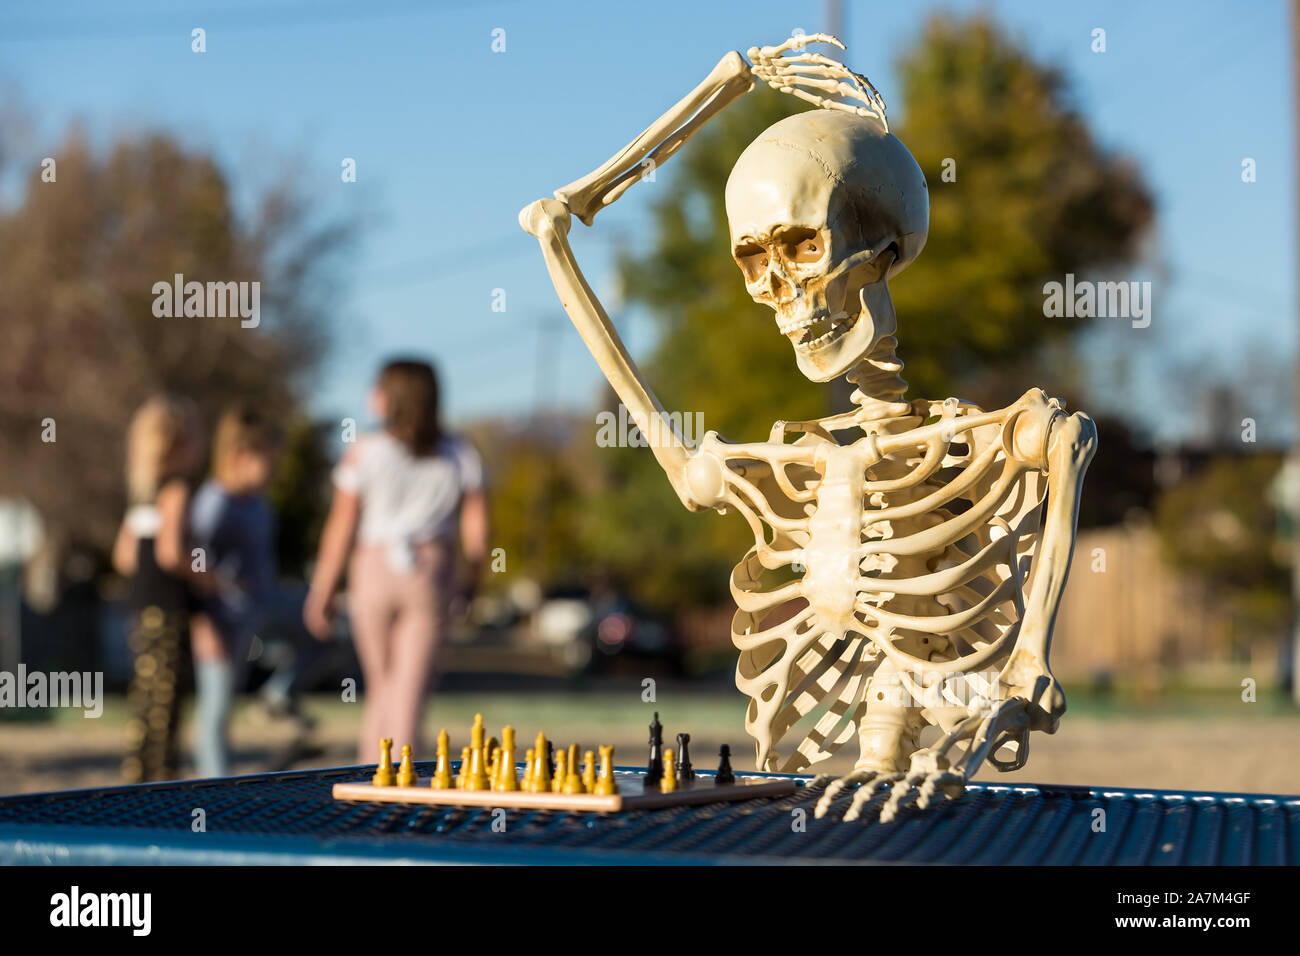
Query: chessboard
(633,794)
(488,775)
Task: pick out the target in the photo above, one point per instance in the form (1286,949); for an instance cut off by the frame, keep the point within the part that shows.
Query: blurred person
(163,452)
(295,656)
(297,661)
(402,496)
(230,519)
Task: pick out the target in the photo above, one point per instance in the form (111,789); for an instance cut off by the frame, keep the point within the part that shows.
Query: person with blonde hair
(231,521)
(402,497)
(163,450)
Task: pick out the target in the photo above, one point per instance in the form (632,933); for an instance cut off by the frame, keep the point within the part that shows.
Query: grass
(709,706)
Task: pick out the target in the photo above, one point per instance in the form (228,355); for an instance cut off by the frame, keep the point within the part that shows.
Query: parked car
(604,632)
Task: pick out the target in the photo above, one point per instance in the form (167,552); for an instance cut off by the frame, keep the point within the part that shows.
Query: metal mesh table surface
(292,818)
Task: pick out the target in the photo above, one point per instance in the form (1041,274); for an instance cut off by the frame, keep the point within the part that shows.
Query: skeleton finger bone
(868,790)
(951,784)
(795,42)
(920,786)
(804,68)
(833,791)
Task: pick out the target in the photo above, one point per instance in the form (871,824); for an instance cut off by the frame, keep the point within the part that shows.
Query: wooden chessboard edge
(422,793)
(745,788)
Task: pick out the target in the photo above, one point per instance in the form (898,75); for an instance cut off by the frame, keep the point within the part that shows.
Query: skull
(824,206)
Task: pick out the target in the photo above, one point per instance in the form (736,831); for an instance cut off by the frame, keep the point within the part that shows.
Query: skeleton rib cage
(948,517)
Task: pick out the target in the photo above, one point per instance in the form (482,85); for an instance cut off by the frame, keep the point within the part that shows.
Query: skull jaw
(875,320)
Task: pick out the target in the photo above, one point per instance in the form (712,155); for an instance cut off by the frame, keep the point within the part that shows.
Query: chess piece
(724,777)
(406,772)
(527,783)
(573,780)
(605,783)
(589,771)
(477,778)
(685,772)
(462,772)
(550,758)
(494,767)
(668,782)
(506,778)
(655,765)
(540,781)
(384,772)
(473,769)
(442,773)
(557,781)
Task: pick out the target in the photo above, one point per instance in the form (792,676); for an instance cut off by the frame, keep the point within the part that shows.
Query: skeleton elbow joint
(545,217)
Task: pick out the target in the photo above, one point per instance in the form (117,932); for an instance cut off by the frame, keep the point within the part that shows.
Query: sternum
(830,581)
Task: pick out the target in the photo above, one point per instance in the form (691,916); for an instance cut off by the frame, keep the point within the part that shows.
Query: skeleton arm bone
(1071,443)
(549,221)
(730,79)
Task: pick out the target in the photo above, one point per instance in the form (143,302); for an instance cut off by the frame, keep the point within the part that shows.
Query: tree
(79,258)
(1034,198)
(300,492)
(1221,525)
(537,476)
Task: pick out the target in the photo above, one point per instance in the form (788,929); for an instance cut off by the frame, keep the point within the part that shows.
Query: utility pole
(1293,466)
(835,18)
(548,329)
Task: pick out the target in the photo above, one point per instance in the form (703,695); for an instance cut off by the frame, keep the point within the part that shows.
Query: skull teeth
(835,327)
(794,325)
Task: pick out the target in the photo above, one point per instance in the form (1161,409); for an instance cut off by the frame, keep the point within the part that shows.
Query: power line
(451,262)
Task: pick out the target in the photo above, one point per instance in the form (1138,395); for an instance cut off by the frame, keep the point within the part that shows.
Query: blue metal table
(292,818)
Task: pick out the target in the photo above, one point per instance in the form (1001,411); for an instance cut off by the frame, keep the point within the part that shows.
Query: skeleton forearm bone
(549,221)
(730,79)
(1071,443)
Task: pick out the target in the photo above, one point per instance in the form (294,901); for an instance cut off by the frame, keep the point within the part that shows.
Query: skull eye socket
(752,259)
(801,245)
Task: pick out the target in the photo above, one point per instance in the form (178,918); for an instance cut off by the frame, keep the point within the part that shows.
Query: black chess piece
(724,776)
(550,759)
(685,772)
(654,771)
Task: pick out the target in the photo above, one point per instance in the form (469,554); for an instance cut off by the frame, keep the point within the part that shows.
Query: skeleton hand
(927,774)
(804,71)
(1026,676)
(931,771)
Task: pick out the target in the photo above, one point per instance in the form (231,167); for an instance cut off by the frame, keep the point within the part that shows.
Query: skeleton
(909,556)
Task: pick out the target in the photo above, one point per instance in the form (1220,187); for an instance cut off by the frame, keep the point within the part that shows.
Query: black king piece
(654,771)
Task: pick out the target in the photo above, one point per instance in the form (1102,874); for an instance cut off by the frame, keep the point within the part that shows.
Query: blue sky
(451,140)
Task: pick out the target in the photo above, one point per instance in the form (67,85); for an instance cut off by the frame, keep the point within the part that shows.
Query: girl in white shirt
(402,496)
